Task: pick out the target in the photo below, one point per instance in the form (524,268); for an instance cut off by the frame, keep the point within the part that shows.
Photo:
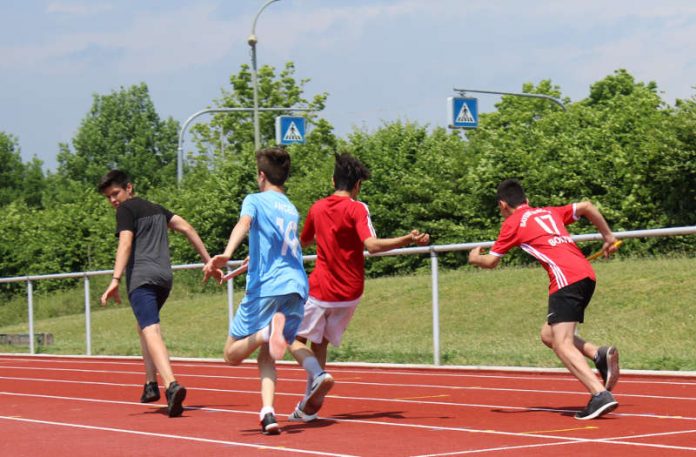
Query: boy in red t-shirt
(341,227)
(542,233)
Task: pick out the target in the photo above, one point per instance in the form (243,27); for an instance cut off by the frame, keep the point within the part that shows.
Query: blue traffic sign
(462,112)
(290,130)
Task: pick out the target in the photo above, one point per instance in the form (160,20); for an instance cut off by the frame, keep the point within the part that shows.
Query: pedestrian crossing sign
(290,130)
(462,112)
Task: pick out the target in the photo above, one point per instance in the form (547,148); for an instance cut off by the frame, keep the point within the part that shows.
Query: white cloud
(174,40)
(77,8)
(151,43)
(327,26)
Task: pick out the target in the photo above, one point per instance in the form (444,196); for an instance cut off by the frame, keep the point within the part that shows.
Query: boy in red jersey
(341,227)
(542,233)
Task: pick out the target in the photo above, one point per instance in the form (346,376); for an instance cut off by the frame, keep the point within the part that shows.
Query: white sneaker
(300,416)
(321,385)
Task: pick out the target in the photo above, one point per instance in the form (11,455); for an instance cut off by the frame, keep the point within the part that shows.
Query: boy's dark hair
(511,192)
(114,177)
(348,171)
(275,163)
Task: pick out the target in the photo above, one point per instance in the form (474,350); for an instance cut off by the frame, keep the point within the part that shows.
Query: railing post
(88,320)
(30,313)
(436,307)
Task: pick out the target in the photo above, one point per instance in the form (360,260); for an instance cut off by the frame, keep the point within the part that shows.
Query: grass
(644,306)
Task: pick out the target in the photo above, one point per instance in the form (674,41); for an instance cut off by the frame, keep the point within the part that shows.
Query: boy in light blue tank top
(273,307)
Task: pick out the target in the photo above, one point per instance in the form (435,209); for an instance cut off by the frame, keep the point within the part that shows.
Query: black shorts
(568,304)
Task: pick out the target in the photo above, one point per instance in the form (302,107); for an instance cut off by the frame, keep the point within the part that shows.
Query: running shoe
(321,385)
(607,364)
(599,405)
(269,425)
(175,397)
(150,393)
(300,416)
(276,340)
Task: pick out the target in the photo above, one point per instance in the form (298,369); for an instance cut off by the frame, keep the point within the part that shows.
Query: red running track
(75,407)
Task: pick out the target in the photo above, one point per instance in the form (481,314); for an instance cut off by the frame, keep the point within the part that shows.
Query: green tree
(609,147)
(230,132)
(19,180)
(415,184)
(11,169)
(123,130)
(34,183)
(674,184)
(215,184)
(67,237)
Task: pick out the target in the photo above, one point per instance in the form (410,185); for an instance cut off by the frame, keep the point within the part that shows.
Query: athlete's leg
(150,368)
(237,350)
(321,351)
(588,349)
(563,337)
(267,371)
(157,352)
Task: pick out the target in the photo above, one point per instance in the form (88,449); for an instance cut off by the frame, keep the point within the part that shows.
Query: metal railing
(432,250)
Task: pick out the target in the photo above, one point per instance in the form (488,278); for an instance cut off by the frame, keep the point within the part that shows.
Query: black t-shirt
(149,262)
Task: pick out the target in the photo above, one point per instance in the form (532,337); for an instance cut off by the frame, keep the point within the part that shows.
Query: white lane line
(425,371)
(616,440)
(175,437)
(494,449)
(562,439)
(119,384)
(334,419)
(363,399)
(361,383)
(340,419)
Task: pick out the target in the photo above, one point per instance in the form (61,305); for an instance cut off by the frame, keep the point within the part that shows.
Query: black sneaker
(599,405)
(269,425)
(175,397)
(150,393)
(607,363)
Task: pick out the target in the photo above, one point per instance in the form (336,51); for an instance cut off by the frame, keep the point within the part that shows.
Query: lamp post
(252,40)
(180,150)
(516,94)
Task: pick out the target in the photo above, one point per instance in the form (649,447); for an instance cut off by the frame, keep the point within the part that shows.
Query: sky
(379,60)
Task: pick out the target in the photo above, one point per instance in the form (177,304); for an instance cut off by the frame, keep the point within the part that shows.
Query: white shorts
(322,322)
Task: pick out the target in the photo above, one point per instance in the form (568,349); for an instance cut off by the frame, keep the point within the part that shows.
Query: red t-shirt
(541,232)
(339,225)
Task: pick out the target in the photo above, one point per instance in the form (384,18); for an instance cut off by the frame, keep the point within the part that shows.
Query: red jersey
(542,233)
(339,225)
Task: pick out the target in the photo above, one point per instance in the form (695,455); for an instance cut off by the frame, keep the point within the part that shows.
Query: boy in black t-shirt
(143,255)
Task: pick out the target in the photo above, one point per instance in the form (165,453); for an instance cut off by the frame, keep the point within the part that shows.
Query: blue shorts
(146,302)
(256,313)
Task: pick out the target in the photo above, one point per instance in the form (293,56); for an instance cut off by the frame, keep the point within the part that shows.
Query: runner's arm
(483,260)
(179,224)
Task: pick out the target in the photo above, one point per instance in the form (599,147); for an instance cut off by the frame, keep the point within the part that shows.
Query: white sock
(265,410)
(265,333)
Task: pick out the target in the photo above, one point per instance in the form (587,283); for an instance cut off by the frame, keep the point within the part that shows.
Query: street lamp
(516,94)
(180,150)
(252,40)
